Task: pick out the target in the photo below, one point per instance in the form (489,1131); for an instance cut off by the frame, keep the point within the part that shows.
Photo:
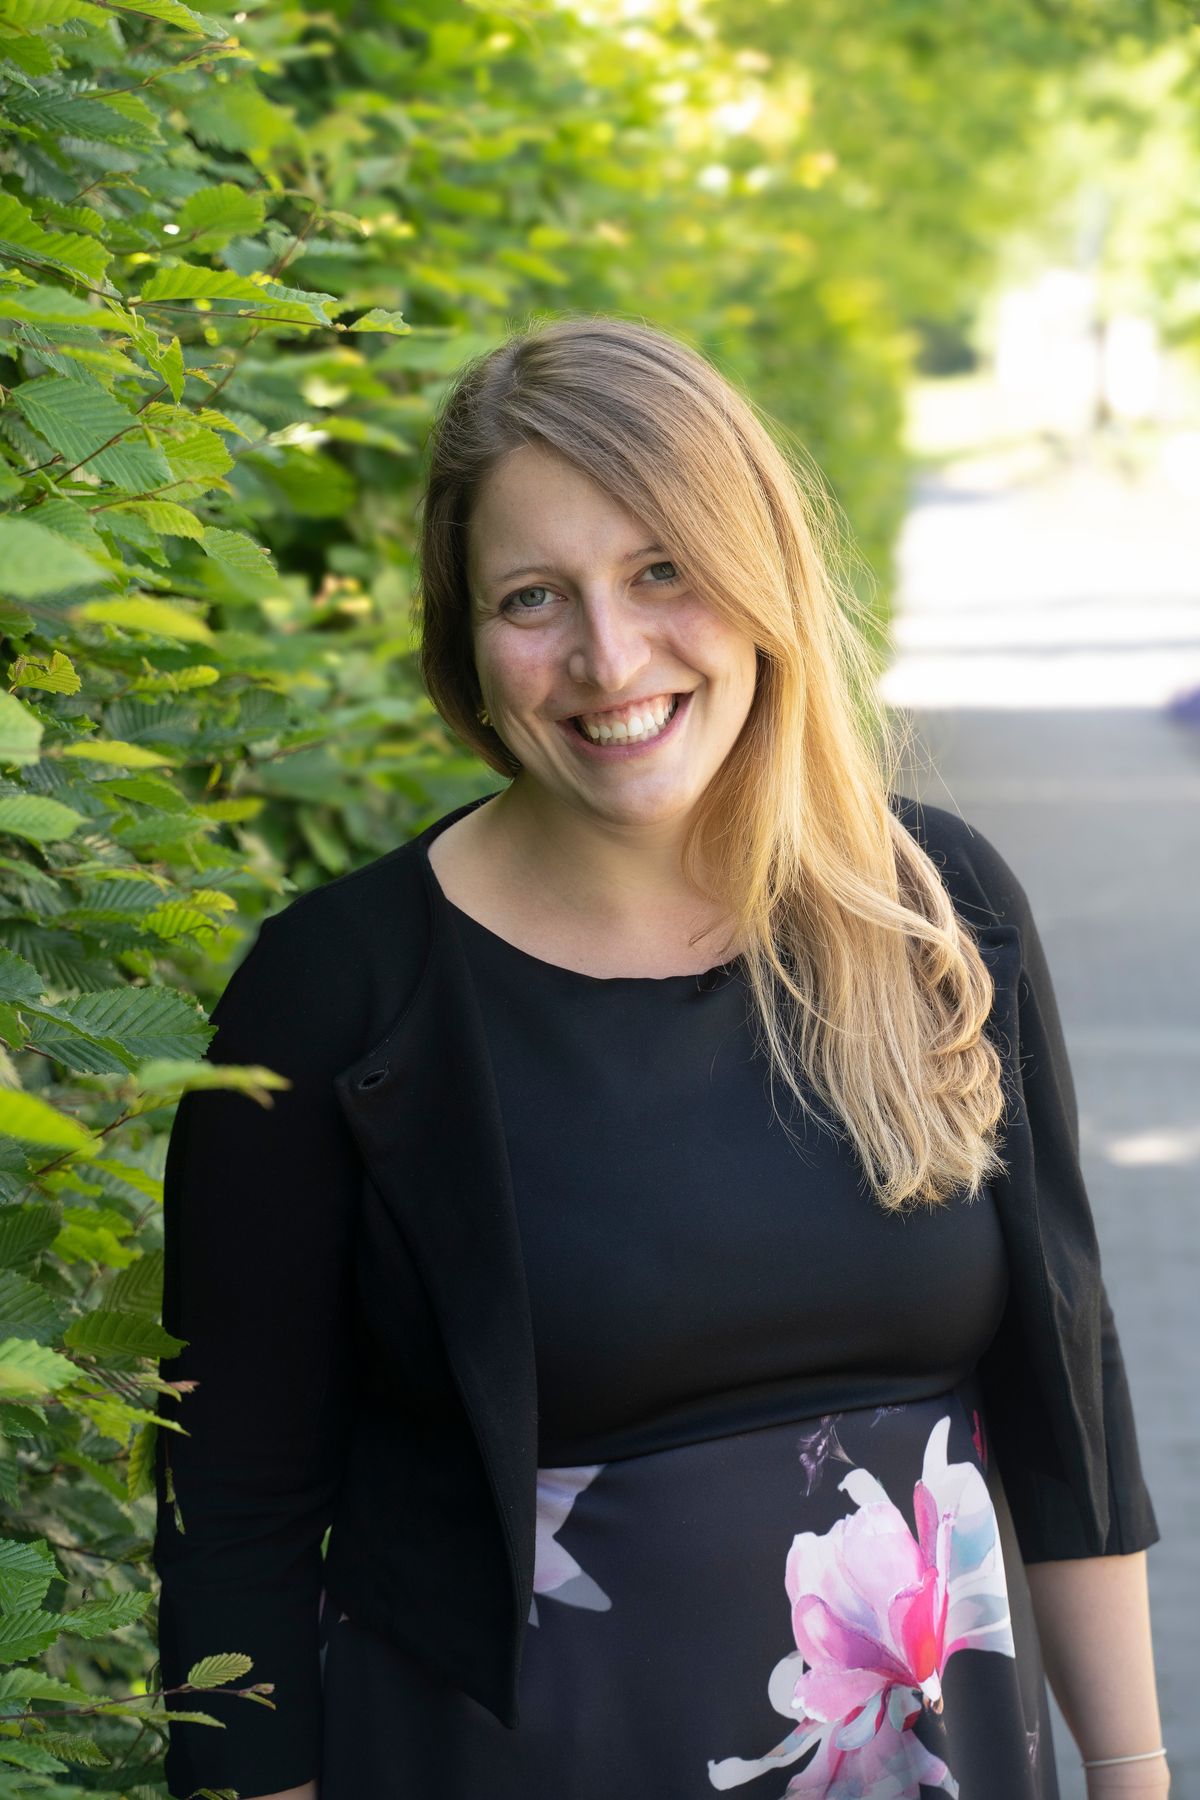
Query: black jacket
(346,1270)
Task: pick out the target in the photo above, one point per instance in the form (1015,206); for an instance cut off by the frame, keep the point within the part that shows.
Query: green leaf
(139,1287)
(55,1034)
(20,732)
(36,15)
(379,320)
(35,561)
(247,563)
(92,1234)
(30,54)
(105,1330)
(139,614)
(345,430)
(146,1021)
(129,1179)
(140,1469)
(176,922)
(33,1121)
(114,1419)
(296,306)
(23,1753)
(434,349)
(96,1618)
(196,455)
(36,818)
(169,364)
(213,215)
(27,1310)
(25,1230)
(73,522)
(17,1686)
(58,675)
(52,306)
(101,119)
(19,980)
(313,485)
(162,1075)
(28,1370)
(172,12)
(22,1422)
(81,421)
(536,267)
(113,750)
(215,1671)
(27,1633)
(21,235)
(212,415)
(73,1747)
(188,281)
(26,1570)
(236,115)
(165,517)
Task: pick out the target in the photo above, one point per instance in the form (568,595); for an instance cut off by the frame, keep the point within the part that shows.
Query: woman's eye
(514,602)
(520,593)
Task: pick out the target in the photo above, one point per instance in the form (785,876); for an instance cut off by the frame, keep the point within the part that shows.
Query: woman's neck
(561,887)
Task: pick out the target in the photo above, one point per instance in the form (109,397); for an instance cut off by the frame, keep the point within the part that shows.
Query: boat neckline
(580,974)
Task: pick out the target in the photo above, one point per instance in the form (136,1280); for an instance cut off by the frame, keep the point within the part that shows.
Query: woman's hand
(307,1792)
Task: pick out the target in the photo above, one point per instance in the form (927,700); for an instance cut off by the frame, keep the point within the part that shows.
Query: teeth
(646,724)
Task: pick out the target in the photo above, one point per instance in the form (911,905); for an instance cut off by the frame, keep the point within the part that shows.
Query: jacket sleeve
(257,1216)
(1045,1514)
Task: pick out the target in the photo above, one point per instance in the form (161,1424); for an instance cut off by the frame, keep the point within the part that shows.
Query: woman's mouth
(630,734)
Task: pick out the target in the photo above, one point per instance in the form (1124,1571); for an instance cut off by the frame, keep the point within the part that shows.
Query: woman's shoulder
(391,890)
(357,897)
(328,973)
(332,965)
(977,876)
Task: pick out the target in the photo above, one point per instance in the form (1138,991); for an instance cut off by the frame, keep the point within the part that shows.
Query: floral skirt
(834,1608)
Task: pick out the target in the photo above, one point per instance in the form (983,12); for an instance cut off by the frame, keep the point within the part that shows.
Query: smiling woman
(665,1444)
(612,681)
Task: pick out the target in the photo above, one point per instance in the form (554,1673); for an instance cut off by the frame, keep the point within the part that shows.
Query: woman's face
(576,613)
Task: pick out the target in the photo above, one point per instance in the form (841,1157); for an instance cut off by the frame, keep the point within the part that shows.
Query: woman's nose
(610,643)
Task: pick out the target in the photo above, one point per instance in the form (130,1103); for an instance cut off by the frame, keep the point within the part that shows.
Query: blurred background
(950,248)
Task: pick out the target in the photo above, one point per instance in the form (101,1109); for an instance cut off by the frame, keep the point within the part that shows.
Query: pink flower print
(979,1438)
(555,1570)
(876,1614)
(816,1444)
(893,1764)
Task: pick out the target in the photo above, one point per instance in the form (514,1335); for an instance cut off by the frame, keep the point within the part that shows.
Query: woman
(669,1271)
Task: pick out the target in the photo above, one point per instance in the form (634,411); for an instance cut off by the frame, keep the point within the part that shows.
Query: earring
(483,715)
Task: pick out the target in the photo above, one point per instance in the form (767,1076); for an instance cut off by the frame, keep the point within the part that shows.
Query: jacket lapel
(423,1109)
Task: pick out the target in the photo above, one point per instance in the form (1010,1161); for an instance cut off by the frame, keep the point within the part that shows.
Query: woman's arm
(259,1205)
(1093,1619)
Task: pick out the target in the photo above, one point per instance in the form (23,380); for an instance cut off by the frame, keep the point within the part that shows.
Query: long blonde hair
(864,979)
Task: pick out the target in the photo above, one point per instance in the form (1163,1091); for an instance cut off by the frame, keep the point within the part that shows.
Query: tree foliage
(241,254)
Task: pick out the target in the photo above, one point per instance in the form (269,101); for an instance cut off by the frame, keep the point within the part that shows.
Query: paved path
(1044,626)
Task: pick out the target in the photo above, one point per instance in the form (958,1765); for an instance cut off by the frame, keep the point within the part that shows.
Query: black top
(691,1270)
(748,1372)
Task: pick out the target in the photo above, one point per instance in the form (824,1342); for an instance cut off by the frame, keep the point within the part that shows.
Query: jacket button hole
(372,1078)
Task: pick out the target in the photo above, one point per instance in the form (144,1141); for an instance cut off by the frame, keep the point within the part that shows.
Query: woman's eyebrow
(549,568)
